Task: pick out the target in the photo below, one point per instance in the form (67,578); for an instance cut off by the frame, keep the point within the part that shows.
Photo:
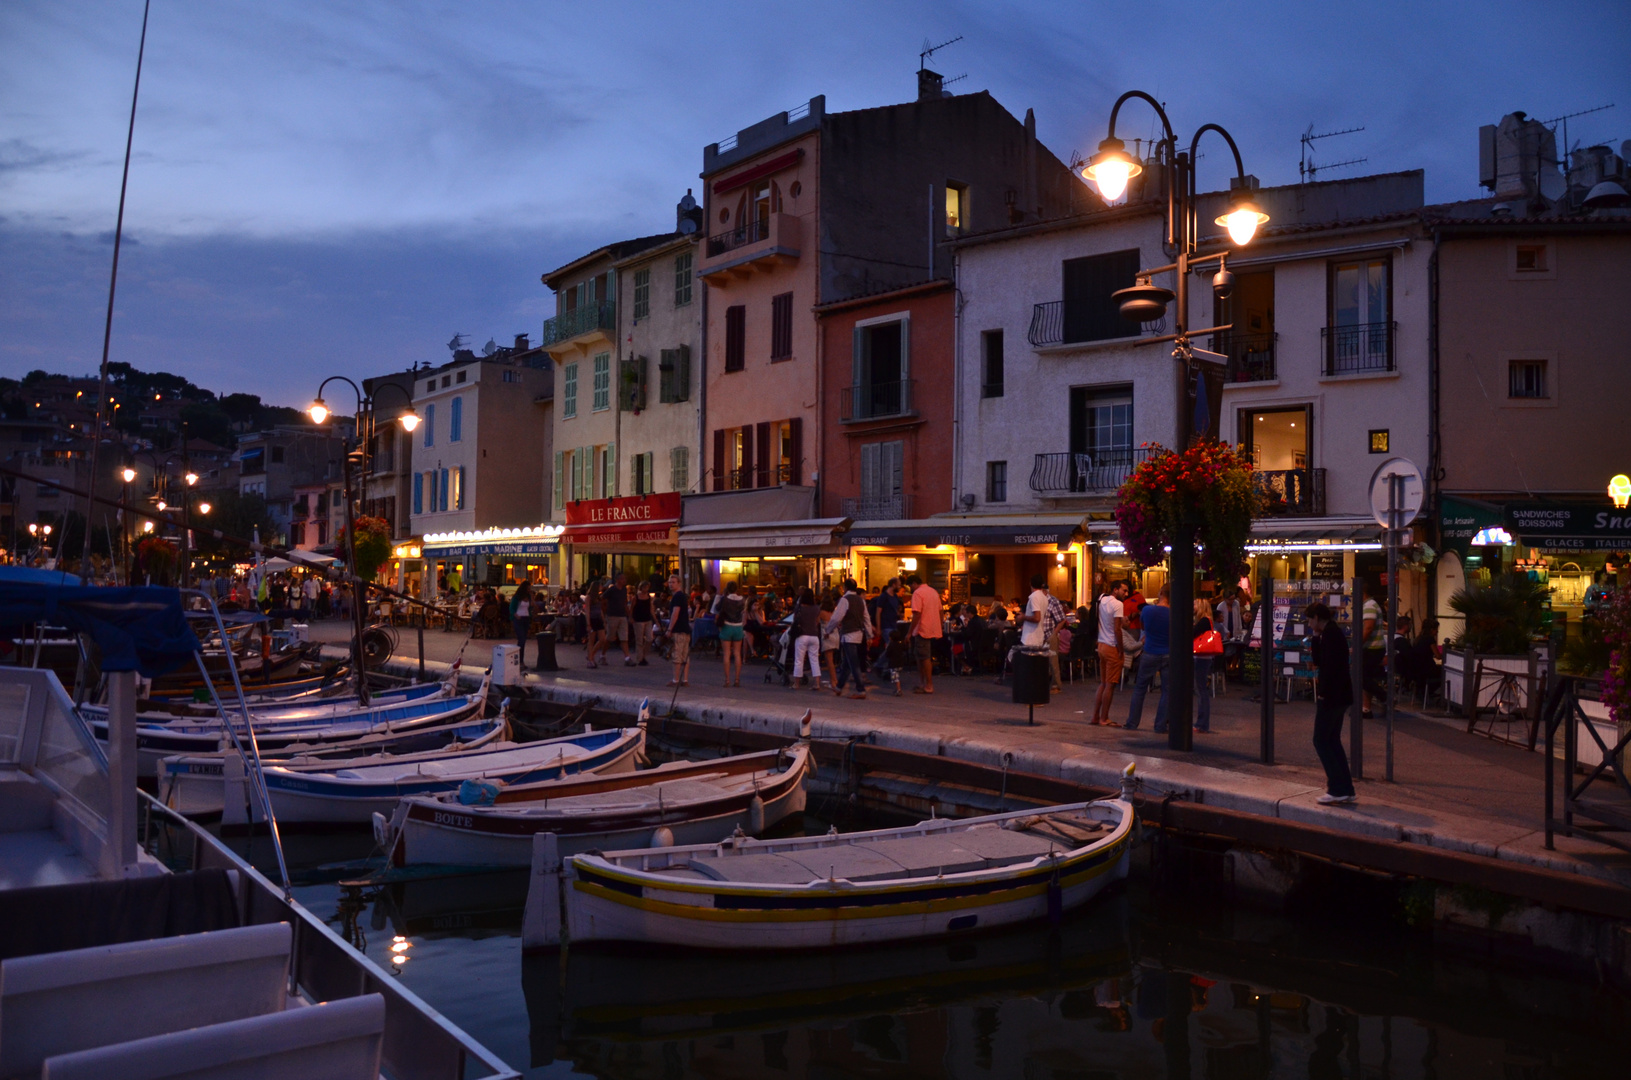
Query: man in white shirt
(1110,618)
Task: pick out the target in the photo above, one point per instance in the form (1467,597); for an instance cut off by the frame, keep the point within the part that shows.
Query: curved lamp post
(161,491)
(1110,169)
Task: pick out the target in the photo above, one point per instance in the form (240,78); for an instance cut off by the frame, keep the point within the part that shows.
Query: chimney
(1031,195)
(521,343)
(930,85)
(1517,160)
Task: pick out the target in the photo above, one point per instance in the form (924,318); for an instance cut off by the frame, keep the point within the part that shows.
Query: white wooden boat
(682,802)
(297,710)
(934,879)
(353,795)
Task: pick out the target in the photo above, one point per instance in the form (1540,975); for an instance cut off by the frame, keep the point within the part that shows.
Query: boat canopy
(138,629)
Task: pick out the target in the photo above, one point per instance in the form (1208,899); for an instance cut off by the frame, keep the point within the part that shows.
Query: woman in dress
(1203,669)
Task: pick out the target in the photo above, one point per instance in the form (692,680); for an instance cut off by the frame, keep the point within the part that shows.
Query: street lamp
(127,474)
(1110,169)
(1619,489)
(203,508)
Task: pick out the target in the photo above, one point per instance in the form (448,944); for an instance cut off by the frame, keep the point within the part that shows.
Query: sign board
(521,549)
(1459,520)
(957,588)
(1570,526)
(1325,566)
(1410,493)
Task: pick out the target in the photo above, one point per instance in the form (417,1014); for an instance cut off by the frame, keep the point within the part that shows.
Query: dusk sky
(323,188)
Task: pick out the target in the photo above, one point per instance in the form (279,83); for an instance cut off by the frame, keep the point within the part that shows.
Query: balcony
(887,508)
(597,319)
(1361,349)
(875,401)
(1292,492)
(1048,327)
(1251,356)
(1057,475)
(752,246)
(757,476)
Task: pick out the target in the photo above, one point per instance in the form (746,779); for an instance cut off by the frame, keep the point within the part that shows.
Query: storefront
(1568,547)
(976,558)
(491,557)
(784,556)
(633,535)
(406,571)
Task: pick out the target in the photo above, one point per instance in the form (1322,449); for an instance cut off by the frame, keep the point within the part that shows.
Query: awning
(312,558)
(515,548)
(812,536)
(1059,531)
(636,519)
(1285,534)
(659,532)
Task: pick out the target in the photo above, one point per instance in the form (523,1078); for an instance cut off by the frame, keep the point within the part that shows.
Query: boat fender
(804,724)
(382,830)
(756,816)
(663,837)
(477,793)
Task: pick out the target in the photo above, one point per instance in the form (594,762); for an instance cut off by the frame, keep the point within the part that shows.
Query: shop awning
(513,548)
(636,519)
(651,532)
(989,531)
(812,536)
(1285,534)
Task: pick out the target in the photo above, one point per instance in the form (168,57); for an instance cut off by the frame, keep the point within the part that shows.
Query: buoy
(663,837)
(756,816)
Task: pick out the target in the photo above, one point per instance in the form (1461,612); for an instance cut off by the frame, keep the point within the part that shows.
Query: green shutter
(608,473)
(555,486)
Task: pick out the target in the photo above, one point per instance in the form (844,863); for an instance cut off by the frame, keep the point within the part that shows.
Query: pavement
(1451,790)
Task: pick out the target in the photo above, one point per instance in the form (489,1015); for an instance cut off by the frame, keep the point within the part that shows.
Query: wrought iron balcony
(749,232)
(873,401)
(889,508)
(758,476)
(1365,348)
(581,320)
(1048,326)
(1092,473)
(1251,356)
(1292,492)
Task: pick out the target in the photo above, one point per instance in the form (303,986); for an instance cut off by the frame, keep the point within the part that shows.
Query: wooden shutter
(869,471)
(608,473)
(890,468)
(577,474)
(559,495)
(719,459)
(682,373)
(795,436)
(679,468)
(767,461)
(745,480)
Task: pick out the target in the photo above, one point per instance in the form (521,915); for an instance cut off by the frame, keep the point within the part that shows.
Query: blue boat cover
(137,629)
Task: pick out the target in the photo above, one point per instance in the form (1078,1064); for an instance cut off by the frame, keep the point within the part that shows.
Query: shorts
(731,633)
(922,648)
(680,648)
(1109,664)
(617,627)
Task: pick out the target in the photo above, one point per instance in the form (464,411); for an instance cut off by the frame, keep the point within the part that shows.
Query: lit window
(956,208)
(1526,379)
(1378,440)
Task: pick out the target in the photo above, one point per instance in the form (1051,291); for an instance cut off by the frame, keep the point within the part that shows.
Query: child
(895,656)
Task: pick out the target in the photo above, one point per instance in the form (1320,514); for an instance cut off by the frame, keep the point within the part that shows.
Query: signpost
(1395,498)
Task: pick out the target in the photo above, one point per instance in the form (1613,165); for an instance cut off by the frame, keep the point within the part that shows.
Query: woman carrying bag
(521,613)
(1208,646)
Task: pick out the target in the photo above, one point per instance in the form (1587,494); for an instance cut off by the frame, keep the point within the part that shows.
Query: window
(458,488)
(1101,436)
(674,374)
(881,486)
(1277,439)
(682,279)
(642,294)
(555,480)
(277,455)
(603,382)
(991,364)
(430,385)
(880,387)
(1089,313)
(455,420)
(781,326)
(1379,440)
(735,337)
(430,424)
(569,393)
(641,476)
(447,380)
(512,376)
(430,492)
(418,493)
(1360,335)
(996,481)
(1531,259)
(1526,379)
(679,468)
(462,374)
(956,208)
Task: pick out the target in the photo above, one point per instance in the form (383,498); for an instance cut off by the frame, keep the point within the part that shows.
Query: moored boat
(937,878)
(680,802)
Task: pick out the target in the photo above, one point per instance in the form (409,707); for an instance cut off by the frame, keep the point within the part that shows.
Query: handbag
(1209,644)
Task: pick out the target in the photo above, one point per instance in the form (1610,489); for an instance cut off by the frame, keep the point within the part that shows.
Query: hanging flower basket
(1209,486)
(156,559)
(373,546)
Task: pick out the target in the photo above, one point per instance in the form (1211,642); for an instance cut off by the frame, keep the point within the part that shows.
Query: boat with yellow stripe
(937,878)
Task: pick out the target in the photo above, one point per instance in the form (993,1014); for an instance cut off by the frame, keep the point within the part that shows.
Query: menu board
(1325,567)
(1291,599)
(957,589)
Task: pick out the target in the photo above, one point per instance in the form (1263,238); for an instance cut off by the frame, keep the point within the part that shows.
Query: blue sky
(339,187)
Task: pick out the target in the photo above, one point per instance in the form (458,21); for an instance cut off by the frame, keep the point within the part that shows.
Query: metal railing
(1084,473)
(887,508)
(1360,349)
(1048,326)
(871,401)
(750,232)
(1251,356)
(580,321)
(758,476)
(1292,492)
(1609,809)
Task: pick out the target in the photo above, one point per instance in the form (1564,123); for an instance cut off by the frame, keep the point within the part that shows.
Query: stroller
(781,654)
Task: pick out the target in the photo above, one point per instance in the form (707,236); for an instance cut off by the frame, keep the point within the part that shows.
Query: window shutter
(719,459)
(430,424)
(682,373)
(890,466)
(679,468)
(650,473)
(419,492)
(441,492)
(555,486)
(869,471)
(768,461)
(644,367)
(745,480)
(608,473)
(665,376)
(795,463)
(577,475)
(905,354)
(455,420)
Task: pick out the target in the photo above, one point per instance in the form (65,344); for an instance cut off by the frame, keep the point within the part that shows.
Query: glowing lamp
(203,508)
(1111,168)
(318,411)
(127,473)
(162,505)
(191,478)
(147,526)
(1244,215)
(409,420)
(1619,489)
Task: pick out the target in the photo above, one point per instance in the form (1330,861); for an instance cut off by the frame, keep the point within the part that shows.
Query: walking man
(1157,618)
(617,618)
(679,632)
(1334,697)
(1110,609)
(927,628)
(854,625)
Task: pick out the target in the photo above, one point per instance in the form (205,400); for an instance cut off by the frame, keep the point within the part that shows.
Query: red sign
(638,519)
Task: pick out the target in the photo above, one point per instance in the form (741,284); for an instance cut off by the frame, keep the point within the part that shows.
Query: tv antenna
(930,50)
(1564,120)
(1306,168)
(457,343)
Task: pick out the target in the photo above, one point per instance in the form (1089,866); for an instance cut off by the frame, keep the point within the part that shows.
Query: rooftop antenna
(1564,120)
(457,343)
(1306,168)
(930,50)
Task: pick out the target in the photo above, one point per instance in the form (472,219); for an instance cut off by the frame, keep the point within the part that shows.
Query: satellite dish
(490,348)
(687,226)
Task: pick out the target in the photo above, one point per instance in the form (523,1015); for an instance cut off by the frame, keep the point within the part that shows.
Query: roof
(620,250)
(884,291)
(1478,216)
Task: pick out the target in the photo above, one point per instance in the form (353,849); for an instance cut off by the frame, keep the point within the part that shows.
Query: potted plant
(1500,620)
(1207,488)
(372,545)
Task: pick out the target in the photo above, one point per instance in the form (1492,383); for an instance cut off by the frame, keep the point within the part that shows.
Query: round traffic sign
(1407,492)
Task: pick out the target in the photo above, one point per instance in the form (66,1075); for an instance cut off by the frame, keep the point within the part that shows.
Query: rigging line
(1471,363)
(113,281)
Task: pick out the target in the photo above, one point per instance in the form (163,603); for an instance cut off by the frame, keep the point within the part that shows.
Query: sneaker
(1337,800)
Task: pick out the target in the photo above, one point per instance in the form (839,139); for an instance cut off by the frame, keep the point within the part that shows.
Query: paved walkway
(1451,790)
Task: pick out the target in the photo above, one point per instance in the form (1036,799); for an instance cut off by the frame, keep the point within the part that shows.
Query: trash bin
(546,652)
(1032,680)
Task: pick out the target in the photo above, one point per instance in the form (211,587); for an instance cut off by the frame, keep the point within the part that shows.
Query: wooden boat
(680,802)
(195,784)
(302,709)
(937,878)
(353,795)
